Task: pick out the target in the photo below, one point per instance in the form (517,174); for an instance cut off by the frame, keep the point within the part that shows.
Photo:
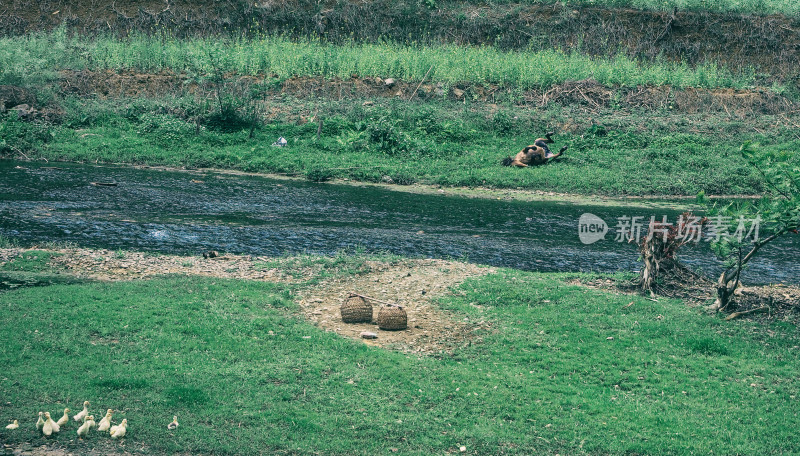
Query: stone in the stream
(368,335)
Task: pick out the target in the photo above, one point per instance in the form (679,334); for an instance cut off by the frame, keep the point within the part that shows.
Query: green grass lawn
(445,143)
(566,370)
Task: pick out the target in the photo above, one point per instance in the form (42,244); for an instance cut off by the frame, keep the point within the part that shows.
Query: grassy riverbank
(436,114)
(564,369)
(442,143)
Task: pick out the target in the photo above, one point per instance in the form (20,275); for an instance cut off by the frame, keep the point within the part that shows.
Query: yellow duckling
(105,423)
(50,426)
(118,432)
(13,425)
(82,414)
(64,419)
(40,423)
(174,423)
(87,425)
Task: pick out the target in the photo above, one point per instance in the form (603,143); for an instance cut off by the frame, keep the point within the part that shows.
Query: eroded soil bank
(587,93)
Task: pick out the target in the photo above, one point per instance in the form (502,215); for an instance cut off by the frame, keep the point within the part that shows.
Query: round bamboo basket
(356,310)
(392,318)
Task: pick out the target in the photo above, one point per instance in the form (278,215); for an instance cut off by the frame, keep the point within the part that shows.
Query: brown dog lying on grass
(536,154)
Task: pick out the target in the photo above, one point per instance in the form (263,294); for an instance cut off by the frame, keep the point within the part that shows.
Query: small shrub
(385,136)
(502,122)
(597,130)
(228,119)
(319,174)
(17,135)
(165,129)
(403,178)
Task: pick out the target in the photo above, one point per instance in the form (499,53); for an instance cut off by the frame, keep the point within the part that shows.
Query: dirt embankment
(591,96)
(588,93)
(768,44)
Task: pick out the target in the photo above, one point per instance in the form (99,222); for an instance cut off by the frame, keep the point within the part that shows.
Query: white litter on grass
(281,142)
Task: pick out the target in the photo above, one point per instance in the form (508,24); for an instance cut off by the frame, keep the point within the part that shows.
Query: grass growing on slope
(35,57)
(246,376)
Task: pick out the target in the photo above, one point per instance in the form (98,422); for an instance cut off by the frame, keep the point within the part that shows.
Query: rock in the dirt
(458,93)
(426,89)
(368,335)
(14,95)
(389,82)
(24,111)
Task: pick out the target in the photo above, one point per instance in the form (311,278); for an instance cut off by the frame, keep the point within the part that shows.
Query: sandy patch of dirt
(107,265)
(413,284)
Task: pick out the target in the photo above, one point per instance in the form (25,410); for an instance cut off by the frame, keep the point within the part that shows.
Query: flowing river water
(188,213)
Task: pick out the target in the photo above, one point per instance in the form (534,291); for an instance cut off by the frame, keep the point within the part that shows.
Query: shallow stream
(190,212)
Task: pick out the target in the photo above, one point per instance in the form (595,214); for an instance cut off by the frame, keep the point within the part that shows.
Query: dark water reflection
(186,213)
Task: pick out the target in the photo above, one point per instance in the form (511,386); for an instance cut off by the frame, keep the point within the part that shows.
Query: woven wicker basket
(356,310)
(392,318)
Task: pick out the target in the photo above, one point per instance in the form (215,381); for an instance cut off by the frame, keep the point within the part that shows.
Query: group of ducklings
(47,426)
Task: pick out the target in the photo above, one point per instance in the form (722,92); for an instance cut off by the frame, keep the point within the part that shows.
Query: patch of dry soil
(413,284)
(107,265)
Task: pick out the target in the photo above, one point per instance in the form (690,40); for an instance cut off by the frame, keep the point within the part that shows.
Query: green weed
(7,242)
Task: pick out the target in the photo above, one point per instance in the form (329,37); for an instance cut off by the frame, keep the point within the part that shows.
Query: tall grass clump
(447,63)
(33,60)
(285,58)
